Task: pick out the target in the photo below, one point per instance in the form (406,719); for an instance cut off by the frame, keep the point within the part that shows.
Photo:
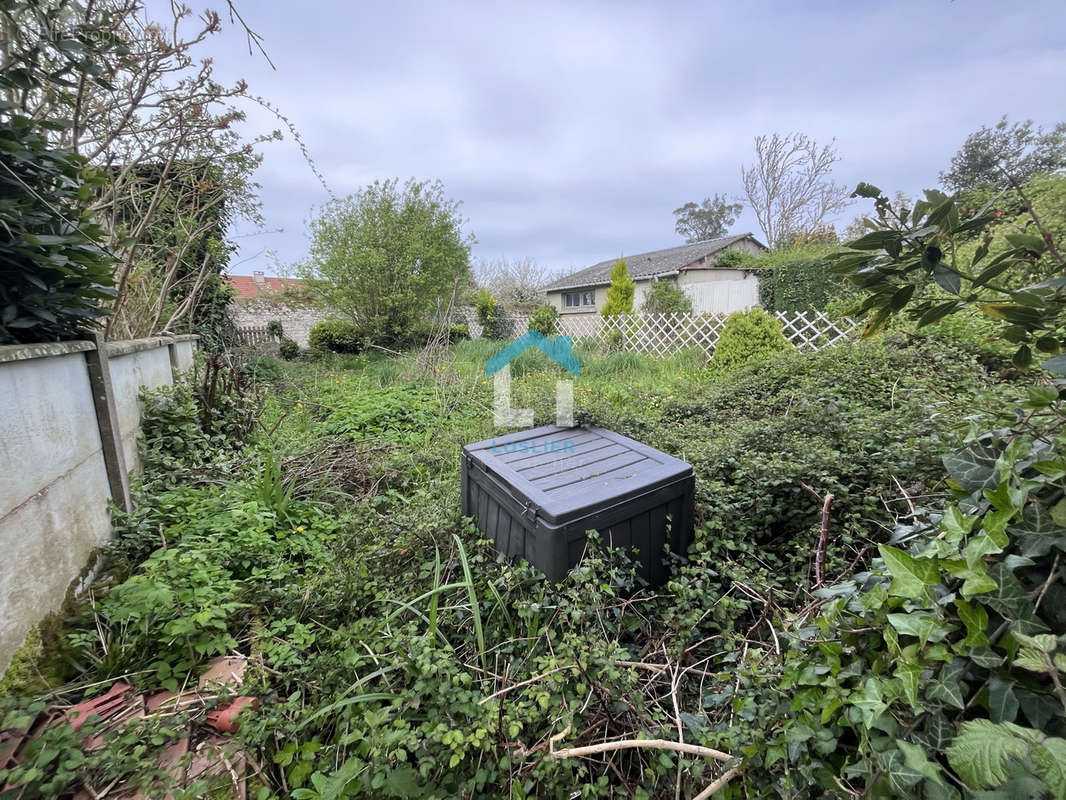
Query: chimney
(258,278)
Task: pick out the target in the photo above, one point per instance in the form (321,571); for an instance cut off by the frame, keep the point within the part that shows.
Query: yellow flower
(299,528)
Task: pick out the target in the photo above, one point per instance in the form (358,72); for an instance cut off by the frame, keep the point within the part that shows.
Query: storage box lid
(562,473)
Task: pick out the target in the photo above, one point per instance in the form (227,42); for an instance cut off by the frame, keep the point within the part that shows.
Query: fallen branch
(650,744)
(717,784)
(519,685)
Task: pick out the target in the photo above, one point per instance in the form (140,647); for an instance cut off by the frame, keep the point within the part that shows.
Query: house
(692,267)
(260,299)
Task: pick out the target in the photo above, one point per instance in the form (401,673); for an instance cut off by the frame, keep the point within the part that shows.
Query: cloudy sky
(571,131)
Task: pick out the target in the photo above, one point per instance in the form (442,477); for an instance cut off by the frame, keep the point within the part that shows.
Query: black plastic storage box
(536,493)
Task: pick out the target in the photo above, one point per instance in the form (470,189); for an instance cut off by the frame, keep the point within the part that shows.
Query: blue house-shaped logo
(558,349)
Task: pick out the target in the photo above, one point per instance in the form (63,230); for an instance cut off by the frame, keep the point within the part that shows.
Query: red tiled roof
(247,287)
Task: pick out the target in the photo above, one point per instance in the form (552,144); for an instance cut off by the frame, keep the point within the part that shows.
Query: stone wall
(296,319)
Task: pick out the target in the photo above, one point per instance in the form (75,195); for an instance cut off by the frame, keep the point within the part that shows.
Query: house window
(578,299)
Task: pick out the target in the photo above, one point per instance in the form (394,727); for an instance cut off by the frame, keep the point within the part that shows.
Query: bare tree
(789,188)
(513,281)
(147,112)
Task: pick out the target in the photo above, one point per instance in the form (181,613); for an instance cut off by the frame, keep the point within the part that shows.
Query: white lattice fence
(665,334)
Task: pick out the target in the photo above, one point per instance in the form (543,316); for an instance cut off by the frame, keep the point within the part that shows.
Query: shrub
(666,298)
(288,349)
(545,320)
(55,278)
(458,332)
(737,259)
(620,292)
(748,336)
(495,323)
(275,329)
(336,336)
(263,368)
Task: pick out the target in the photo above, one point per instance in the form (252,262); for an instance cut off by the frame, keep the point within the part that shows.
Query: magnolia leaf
(910,575)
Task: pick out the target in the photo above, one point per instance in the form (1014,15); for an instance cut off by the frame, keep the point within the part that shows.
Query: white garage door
(724,297)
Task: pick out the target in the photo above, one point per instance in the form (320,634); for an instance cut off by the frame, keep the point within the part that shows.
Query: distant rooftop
(250,286)
(650,265)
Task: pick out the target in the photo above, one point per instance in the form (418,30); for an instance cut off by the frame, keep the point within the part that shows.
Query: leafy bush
(458,332)
(288,349)
(800,285)
(620,292)
(748,336)
(275,329)
(336,336)
(545,320)
(738,259)
(55,280)
(263,369)
(664,297)
(494,321)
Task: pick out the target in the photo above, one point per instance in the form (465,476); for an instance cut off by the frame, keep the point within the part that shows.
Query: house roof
(650,265)
(247,287)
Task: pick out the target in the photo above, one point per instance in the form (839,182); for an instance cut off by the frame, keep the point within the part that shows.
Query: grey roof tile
(648,265)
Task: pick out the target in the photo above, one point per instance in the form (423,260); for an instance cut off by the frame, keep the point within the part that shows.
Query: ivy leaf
(1056,365)
(985,657)
(975,618)
(915,758)
(922,625)
(910,575)
(909,676)
(869,701)
(1002,703)
(1031,659)
(948,692)
(973,467)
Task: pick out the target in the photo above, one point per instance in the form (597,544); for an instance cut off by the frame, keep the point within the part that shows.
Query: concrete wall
(54,487)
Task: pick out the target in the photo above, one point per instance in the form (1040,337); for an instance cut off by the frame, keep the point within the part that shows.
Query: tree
(620,292)
(129,92)
(789,188)
(1004,155)
(863,224)
(388,256)
(666,298)
(515,281)
(709,220)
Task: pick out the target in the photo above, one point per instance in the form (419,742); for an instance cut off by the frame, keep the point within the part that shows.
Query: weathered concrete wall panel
(129,373)
(54,488)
